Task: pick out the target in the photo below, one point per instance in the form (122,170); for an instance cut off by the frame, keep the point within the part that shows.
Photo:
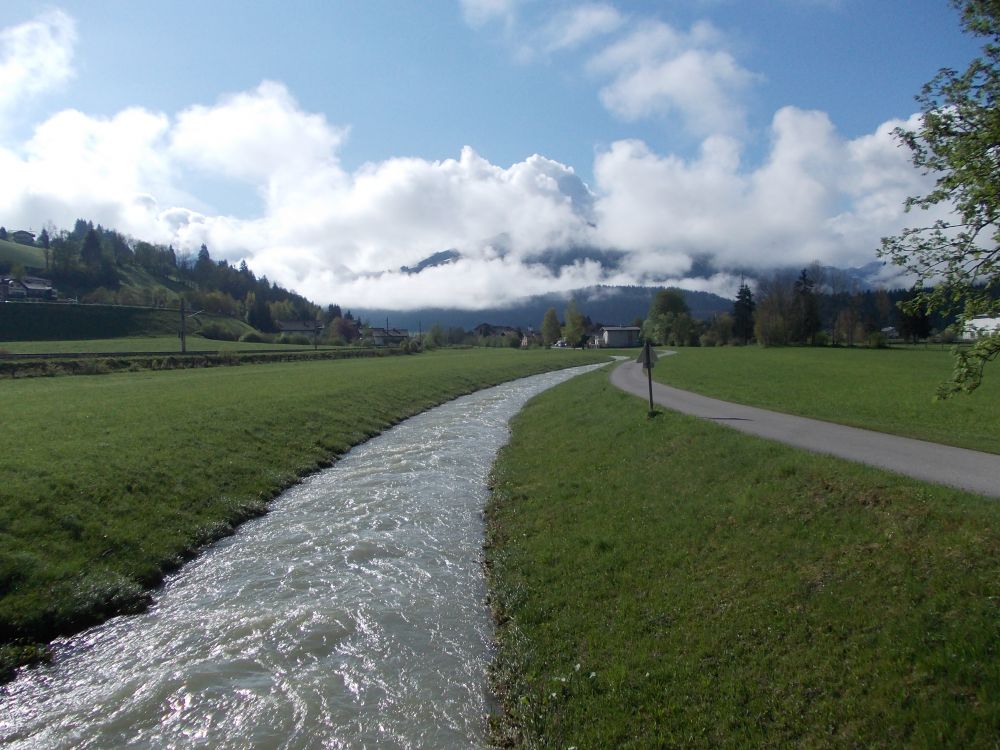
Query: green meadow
(667,582)
(888,390)
(107,482)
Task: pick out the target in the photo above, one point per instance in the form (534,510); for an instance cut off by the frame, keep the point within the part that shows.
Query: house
(38,288)
(616,337)
(306,327)
(22,237)
(25,288)
(979,327)
(388,336)
(12,289)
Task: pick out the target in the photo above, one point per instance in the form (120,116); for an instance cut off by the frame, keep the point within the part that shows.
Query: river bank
(670,582)
(352,615)
(109,482)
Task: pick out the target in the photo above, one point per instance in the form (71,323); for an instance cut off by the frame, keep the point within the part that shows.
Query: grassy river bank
(107,482)
(669,582)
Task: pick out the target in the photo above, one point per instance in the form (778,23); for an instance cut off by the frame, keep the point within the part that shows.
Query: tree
(551,330)
(3,233)
(956,259)
(668,301)
(90,252)
(574,330)
(805,315)
(743,310)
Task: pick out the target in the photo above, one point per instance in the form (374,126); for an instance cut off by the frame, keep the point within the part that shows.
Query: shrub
(216,331)
(295,338)
(254,337)
(876,340)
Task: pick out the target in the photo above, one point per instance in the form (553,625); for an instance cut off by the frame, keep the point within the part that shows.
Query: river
(353,615)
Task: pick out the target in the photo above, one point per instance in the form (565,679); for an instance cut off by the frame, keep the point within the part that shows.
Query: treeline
(816,307)
(92,263)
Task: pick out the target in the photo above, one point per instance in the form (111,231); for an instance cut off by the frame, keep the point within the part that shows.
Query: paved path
(941,464)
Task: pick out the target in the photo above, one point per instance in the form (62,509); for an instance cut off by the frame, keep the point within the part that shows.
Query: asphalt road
(940,464)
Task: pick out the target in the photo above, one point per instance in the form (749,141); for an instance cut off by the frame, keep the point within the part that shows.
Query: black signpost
(647,358)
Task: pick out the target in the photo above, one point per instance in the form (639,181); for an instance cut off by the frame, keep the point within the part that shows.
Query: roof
(398,332)
(621,328)
(299,325)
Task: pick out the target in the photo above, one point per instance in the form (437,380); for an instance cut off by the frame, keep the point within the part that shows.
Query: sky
(329,144)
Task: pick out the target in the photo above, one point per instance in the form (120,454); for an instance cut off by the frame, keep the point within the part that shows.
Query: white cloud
(342,236)
(658,70)
(255,136)
(816,197)
(575,26)
(35,56)
(480,12)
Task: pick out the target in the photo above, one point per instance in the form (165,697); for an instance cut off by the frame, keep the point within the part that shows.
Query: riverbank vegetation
(669,582)
(889,390)
(108,482)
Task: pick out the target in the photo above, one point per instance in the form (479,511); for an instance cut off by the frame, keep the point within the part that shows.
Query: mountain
(611,305)
(437,259)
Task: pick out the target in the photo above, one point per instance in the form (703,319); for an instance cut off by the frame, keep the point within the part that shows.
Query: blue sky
(329,143)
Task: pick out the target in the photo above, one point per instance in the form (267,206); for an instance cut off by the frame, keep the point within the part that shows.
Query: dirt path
(930,462)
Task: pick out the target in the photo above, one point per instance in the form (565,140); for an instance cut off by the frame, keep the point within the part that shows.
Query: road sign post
(647,358)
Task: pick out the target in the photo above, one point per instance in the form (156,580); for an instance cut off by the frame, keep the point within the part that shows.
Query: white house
(617,337)
(978,327)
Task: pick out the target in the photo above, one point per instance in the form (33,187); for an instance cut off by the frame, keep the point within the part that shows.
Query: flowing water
(352,615)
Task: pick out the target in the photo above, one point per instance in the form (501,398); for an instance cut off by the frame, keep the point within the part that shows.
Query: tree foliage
(575,330)
(956,258)
(743,314)
(551,330)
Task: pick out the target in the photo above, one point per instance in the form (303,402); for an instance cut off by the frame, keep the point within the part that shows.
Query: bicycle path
(940,464)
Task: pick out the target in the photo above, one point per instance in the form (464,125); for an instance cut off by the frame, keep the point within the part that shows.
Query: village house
(27,288)
(305,327)
(388,336)
(979,327)
(617,337)
(22,237)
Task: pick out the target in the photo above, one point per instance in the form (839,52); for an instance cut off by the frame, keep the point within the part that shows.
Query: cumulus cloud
(342,236)
(573,27)
(658,70)
(817,196)
(35,56)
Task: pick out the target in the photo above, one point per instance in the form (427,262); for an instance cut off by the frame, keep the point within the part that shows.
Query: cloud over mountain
(343,235)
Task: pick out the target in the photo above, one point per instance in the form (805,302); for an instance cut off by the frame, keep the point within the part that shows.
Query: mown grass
(107,482)
(888,390)
(667,582)
(25,255)
(136,344)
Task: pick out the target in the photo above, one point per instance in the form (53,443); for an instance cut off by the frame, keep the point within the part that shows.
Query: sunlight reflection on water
(352,615)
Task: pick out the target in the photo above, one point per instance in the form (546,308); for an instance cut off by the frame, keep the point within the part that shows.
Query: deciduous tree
(551,330)
(956,259)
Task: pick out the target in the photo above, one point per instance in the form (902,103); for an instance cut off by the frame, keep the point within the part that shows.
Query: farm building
(616,337)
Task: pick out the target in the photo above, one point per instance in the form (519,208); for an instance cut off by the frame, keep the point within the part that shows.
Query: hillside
(31,258)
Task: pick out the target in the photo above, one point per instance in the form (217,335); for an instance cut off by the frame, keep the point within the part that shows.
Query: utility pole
(183,325)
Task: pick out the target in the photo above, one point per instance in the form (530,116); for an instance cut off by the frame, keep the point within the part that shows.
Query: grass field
(667,582)
(889,390)
(106,482)
(137,344)
(24,255)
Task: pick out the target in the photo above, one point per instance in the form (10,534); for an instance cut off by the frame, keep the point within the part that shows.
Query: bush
(298,339)
(217,332)
(254,337)
(876,340)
